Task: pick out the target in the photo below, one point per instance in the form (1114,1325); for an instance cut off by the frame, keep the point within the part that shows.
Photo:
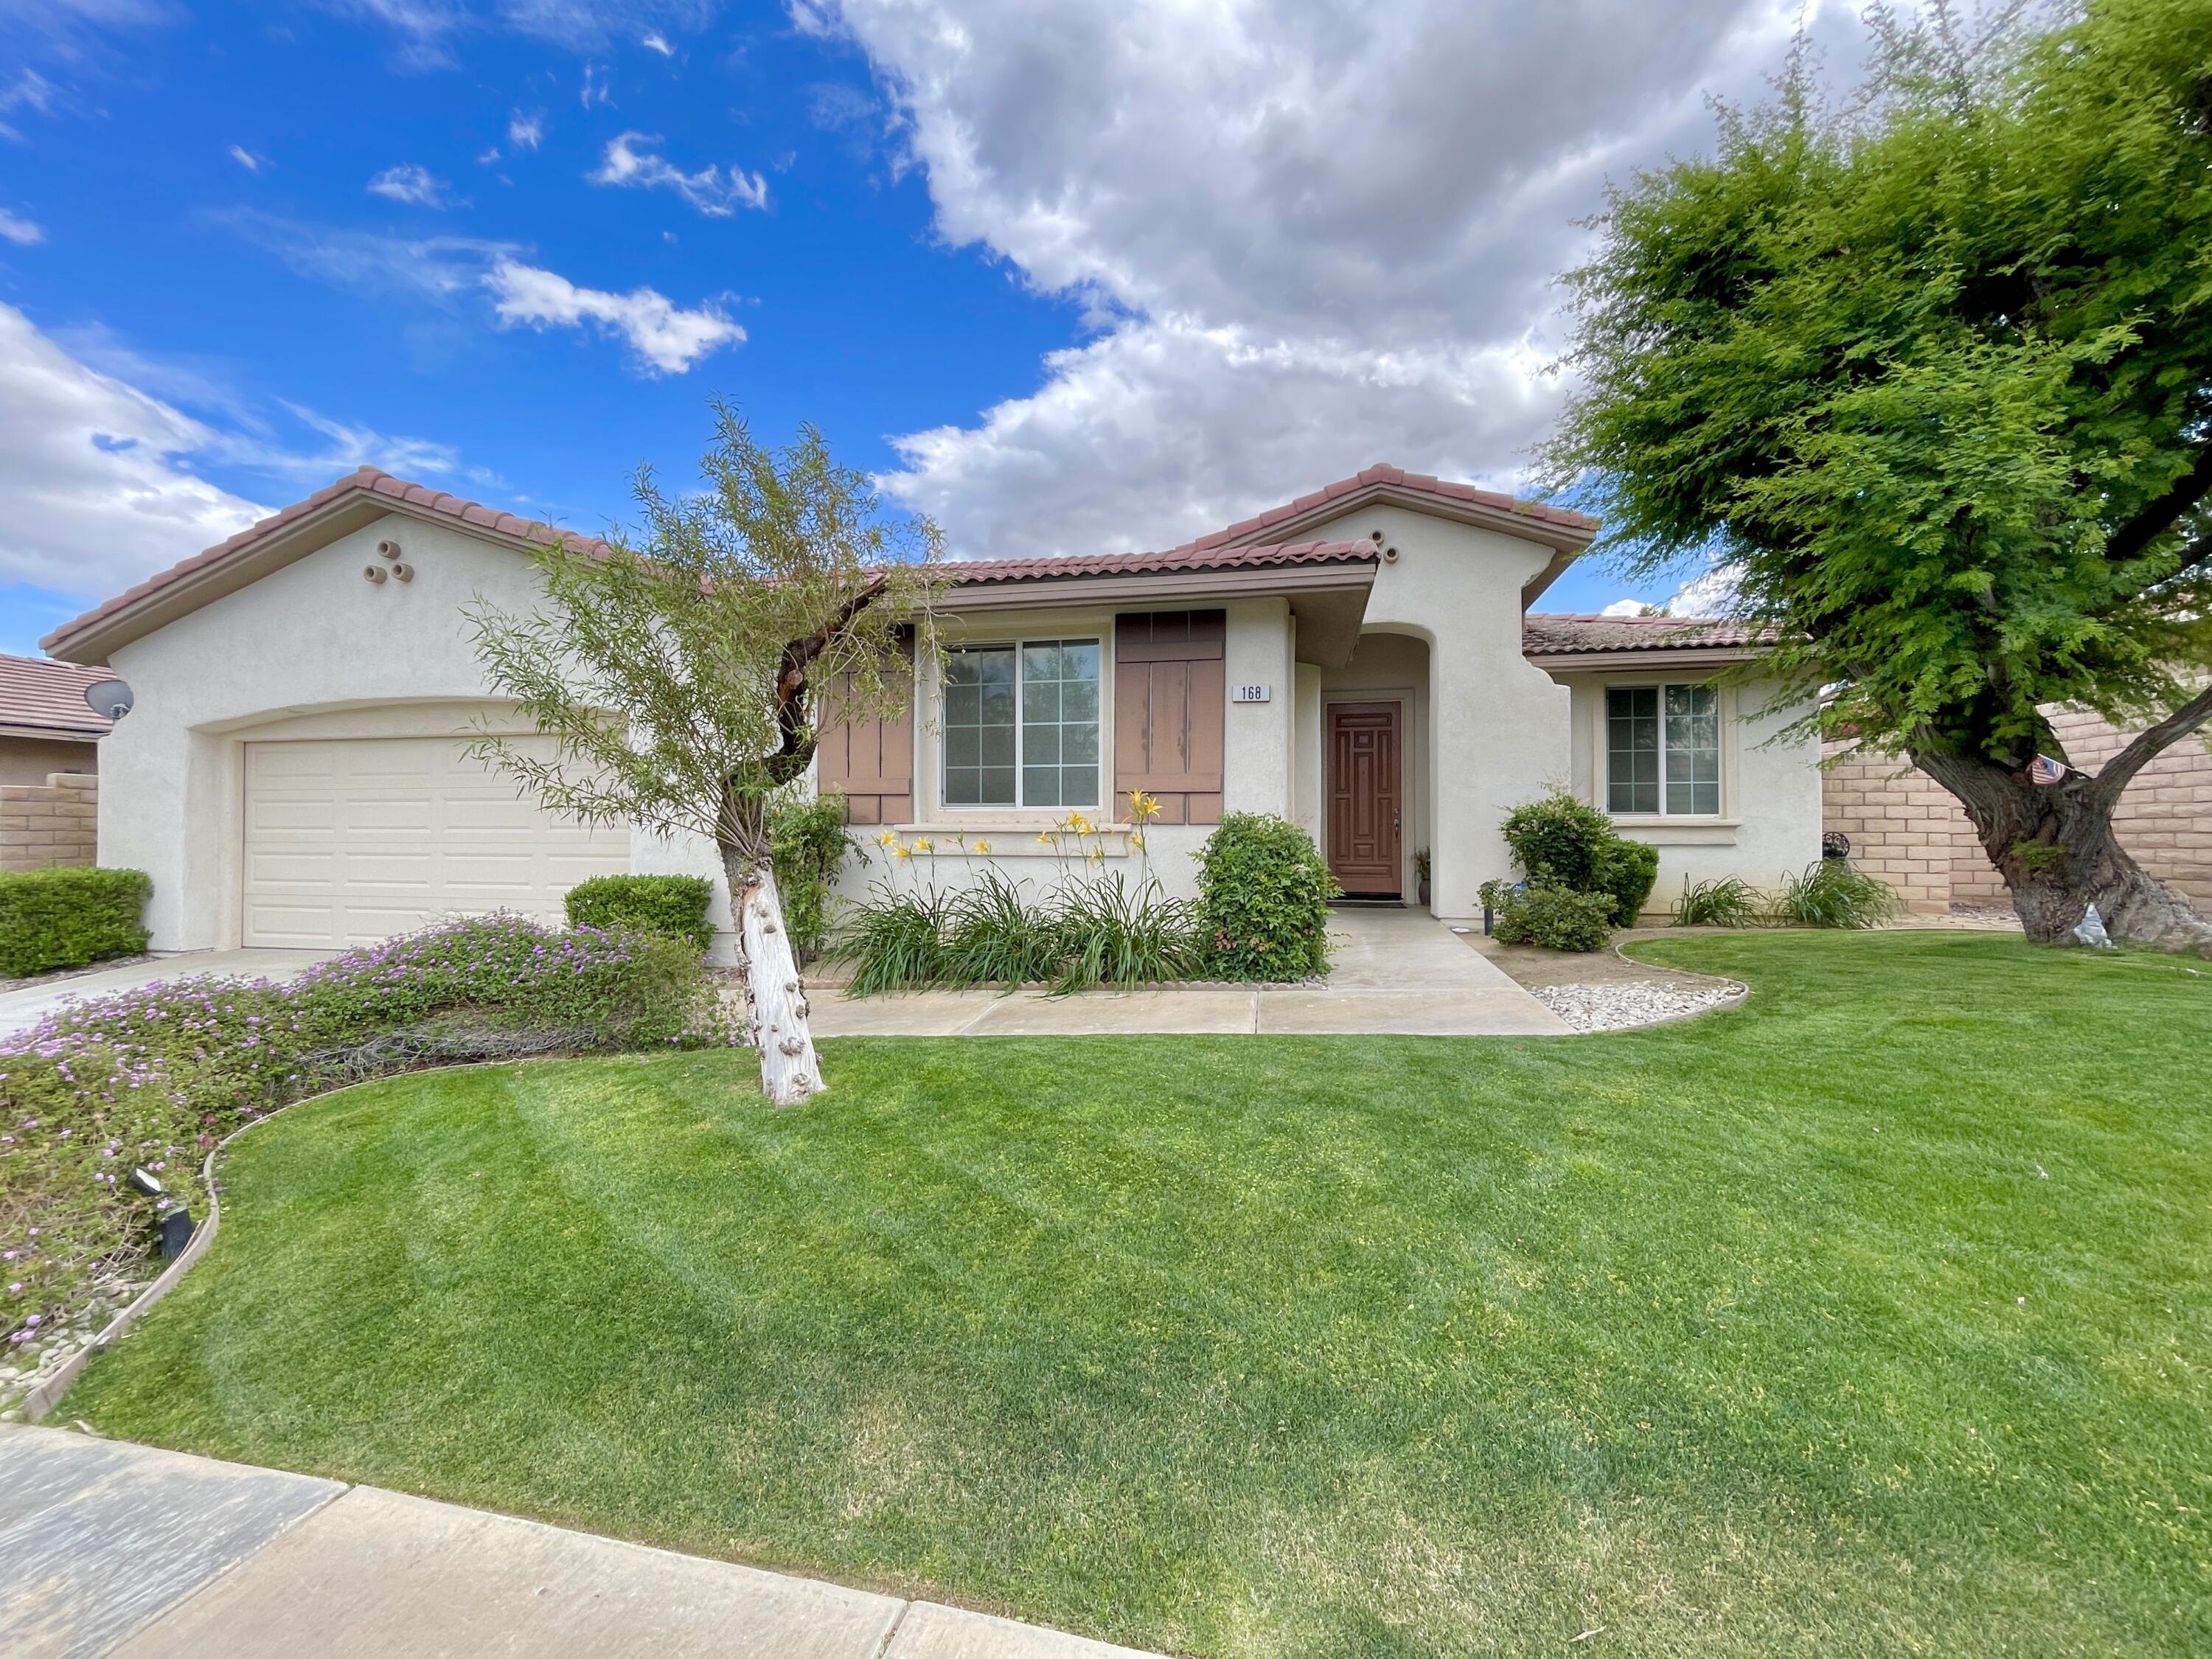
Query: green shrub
(1834,893)
(809,843)
(1560,841)
(1630,872)
(1728,902)
(674,906)
(70,916)
(1263,899)
(155,1076)
(1555,918)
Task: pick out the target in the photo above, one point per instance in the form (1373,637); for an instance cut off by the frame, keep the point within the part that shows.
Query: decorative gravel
(1633,1002)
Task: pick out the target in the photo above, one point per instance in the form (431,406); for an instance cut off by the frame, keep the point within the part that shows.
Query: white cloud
(247,158)
(657,42)
(18,230)
(525,131)
(1626,608)
(1359,207)
(96,474)
(415,185)
(707,189)
(441,268)
(667,339)
(1710,594)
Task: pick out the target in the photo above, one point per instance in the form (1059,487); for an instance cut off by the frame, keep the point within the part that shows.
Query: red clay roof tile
(49,696)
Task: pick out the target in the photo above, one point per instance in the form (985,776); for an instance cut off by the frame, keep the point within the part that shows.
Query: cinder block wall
(56,821)
(1913,836)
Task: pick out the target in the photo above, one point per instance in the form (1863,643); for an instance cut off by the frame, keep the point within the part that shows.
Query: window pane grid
(1047,754)
(1663,750)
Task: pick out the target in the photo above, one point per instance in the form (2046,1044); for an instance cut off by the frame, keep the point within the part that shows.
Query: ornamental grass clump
(155,1077)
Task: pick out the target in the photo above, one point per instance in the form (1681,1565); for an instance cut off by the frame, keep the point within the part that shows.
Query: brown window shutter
(870,762)
(1171,688)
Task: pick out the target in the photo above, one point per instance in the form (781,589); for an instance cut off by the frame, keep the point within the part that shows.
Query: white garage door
(348,842)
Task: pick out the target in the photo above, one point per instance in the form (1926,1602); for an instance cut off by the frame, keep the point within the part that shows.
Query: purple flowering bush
(156,1077)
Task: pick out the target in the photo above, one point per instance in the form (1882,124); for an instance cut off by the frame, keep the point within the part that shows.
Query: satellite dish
(109,699)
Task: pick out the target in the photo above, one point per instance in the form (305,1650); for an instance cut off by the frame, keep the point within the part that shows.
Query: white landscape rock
(1618,1007)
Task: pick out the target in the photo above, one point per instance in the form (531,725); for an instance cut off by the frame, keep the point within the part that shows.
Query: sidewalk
(110,1549)
(1392,972)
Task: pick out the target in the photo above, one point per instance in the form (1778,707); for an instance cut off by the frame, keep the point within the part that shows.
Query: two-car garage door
(347,842)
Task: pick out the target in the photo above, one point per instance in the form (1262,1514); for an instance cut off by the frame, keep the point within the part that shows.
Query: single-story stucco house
(1362,660)
(46,725)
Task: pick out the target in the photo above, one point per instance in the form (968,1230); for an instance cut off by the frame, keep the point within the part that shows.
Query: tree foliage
(1931,372)
(683,675)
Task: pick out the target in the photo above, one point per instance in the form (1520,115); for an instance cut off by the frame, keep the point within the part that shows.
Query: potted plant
(1421,875)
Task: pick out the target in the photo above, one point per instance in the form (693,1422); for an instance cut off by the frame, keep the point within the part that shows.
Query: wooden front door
(1364,795)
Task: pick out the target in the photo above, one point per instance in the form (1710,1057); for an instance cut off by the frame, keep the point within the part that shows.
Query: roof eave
(1569,540)
(1339,576)
(1645,656)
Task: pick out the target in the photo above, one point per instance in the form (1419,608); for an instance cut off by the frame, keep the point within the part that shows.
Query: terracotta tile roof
(1191,557)
(1235,547)
(49,696)
(1419,483)
(1545,634)
(366,479)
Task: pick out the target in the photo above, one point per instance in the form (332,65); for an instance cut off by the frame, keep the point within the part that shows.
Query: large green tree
(683,675)
(1932,372)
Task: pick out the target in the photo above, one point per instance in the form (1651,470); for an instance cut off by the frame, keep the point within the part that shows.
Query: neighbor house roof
(39,698)
(359,496)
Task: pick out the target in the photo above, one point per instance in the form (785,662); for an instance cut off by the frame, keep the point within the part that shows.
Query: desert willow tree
(1933,373)
(683,675)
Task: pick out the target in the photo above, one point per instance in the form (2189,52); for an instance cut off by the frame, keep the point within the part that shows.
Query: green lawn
(1870,1318)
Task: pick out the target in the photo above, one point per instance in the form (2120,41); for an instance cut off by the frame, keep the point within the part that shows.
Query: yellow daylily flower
(1044,837)
(922,845)
(1136,841)
(906,852)
(982,846)
(885,839)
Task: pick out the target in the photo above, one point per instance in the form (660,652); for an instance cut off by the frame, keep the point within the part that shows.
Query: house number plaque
(1250,693)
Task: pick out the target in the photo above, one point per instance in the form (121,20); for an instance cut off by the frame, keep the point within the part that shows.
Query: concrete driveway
(1393,972)
(20,1009)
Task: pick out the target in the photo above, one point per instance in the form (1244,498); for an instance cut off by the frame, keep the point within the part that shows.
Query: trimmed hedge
(1632,869)
(70,916)
(1264,890)
(674,906)
(1556,918)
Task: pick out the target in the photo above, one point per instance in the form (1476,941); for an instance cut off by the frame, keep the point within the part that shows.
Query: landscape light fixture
(143,1181)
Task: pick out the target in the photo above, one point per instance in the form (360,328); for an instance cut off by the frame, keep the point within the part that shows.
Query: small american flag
(2047,771)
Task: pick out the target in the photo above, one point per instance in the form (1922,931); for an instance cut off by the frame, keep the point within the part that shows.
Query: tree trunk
(2054,845)
(775,1000)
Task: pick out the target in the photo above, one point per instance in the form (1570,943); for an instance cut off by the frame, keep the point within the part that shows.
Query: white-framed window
(1662,751)
(1021,724)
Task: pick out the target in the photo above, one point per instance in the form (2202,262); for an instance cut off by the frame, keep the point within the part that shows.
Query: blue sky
(1073,277)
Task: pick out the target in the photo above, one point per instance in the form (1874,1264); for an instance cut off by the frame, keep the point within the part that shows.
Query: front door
(1363,799)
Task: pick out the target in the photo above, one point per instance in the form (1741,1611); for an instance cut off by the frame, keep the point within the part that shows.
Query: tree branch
(2116,773)
(2159,516)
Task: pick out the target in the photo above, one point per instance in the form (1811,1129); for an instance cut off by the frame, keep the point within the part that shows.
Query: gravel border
(1626,1007)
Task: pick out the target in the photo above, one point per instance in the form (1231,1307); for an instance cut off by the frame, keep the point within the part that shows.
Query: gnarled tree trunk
(775,998)
(2054,845)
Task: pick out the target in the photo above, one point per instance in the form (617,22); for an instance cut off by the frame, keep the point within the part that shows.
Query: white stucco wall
(1258,768)
(1770,817)
(1497,728)
(311,650)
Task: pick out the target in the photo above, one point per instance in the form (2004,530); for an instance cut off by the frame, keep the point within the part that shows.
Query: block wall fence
(56,821)
(1909,832)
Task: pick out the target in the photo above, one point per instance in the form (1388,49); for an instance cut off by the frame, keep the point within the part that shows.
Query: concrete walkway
(109,1548)
(20,1010)
(1393,972)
